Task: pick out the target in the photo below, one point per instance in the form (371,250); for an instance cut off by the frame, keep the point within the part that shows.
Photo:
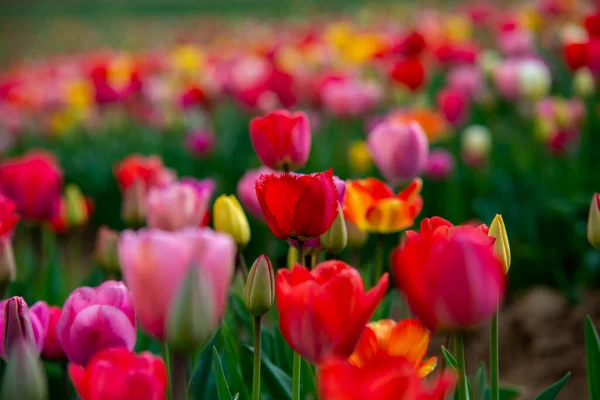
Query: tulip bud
(7,262)
(356,237)
(335,239)
(24,377)
(77,213)
(132,209)
(191,318)
(259,291)
(501,245)
(17,323)
(229,217)
(106,249)
(593,228)
(476,145)
(583,82)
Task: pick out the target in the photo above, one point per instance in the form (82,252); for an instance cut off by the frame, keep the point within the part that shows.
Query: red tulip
(384,377)
(409,72)
(8,216)
(592,24)
(281,139)
(413,44)
(298,206)
(150,170)
(52,349)
(576,54)
(449,274)
(323,312)
(118,374)
(34,182)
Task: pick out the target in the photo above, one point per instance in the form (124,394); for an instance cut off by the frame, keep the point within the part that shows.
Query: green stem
(66,381)
(494,360)
(242,264)
(179,375)
(459,353)
(256,372)
(378,270)
(297,361)
(167,359)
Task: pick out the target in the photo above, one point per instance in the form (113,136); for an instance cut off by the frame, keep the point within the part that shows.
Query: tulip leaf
(450,360)
(551,392)
(232,358)
(277,382)
(479,383)
(223,391)
(202,382)
(506,393)
(592,346)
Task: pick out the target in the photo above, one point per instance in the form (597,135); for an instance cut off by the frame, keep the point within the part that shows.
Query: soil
(541,339)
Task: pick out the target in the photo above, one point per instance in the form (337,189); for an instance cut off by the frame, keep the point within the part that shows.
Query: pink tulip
(175,207)
(96,318)
(281,139)
(440,164)
(38,315)
(350,97)
(516,42)
(155,263)
(506,79)
(246,191)
(399,150)
(454,104)
(467,79)
(200,142)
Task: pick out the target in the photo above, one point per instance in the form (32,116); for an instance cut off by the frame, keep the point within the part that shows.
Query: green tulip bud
(259,292)
(335,239)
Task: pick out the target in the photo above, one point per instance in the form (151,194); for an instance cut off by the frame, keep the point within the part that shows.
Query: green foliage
(551,392)
(592,346)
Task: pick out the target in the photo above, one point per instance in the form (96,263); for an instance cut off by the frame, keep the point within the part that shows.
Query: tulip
(133,209)
(409,72)
(322,312)
(298,207)
(440,164)
(407,338)
(372,206)
(467,79)
(501,245)
(175,207)
(506,79)
(350,97)
(476,145)
(449,275)
(259,291)
(535,79)
(335,239)
(155,264)
(454,104)
(382,377)
(246,191)
(118,374)
(17,321)
(52,349)
(34,182)
(106,249)
(281,139)
(200,142)
(149,170)
(359,157)
(399,150)
(584,84)
(516,42)
(229,218)
(593,226)
(8,216)
(94,319)
(24,377)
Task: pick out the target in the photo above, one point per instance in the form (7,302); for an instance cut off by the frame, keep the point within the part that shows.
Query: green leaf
(450,360)
(236,397)
(506,393)
(233,364)
(202,381)
(479,383)
(592,347)
(552,391)
(277,382)
(222,388)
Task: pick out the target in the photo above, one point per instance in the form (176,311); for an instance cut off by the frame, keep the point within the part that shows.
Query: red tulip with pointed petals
(298,207)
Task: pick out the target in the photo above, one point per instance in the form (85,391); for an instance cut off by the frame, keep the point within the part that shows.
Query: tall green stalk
(297,361)
(257,350)
(494,360)
(179,375)
(459,352)
(378,270)
(167,358)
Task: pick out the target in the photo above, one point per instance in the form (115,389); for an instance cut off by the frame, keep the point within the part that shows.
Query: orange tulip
(372,206)
(407,338)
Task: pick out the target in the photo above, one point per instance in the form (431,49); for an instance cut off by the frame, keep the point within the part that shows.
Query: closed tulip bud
(132,209)
(229,217)
(8,271)
(259,292)
(107,255)
(501,245)
(18,326)
(356,237)
(77,211)
(24,377)
(476,145)
(335,239)
(191,318)
(593,228)
(583,82)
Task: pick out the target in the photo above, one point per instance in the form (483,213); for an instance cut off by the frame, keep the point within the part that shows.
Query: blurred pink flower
(440,164)
(350,97)
(467,79)
(246,191)
(506,79)
(175,207)
(454,104)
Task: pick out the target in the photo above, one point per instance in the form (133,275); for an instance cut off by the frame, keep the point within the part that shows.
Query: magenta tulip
(440,164)
(155,264)
(38,315)
(454,104)
(93,319)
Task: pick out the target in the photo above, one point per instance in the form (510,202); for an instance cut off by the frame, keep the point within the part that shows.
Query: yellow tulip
(501,246)
(229,217)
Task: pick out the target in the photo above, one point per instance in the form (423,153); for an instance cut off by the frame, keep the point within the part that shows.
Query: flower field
(390,202)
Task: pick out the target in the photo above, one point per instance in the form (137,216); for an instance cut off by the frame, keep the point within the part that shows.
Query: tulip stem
(494,360)
(167,358)
(242,264)
(459,353)
(297,361)
(179,375)
(256,372)
(67,383)
(378,271)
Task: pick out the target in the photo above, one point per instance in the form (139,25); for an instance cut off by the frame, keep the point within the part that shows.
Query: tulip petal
(316,208)
(409,338)
(278,196)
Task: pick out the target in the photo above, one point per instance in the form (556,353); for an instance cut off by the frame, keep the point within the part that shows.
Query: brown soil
(541,339)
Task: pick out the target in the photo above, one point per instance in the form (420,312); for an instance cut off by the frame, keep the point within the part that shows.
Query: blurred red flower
(409,72)
(150,170)
(8,215)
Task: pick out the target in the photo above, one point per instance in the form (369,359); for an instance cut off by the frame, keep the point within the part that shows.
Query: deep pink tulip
(281,139)
(155,263)
(200,142)
(176,206)
(38,316)
(440,164)
(246,191)
(96,318)
(399,150)
(454,104)
(52,349)
(34,182)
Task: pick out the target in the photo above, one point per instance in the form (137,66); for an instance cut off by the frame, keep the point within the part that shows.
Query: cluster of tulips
(178,274)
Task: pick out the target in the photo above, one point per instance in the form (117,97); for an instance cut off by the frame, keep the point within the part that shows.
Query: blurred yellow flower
(360,157)
(188,59)
(459,28)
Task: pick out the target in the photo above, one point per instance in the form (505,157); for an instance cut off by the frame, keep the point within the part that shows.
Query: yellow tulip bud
(259,292)
(229,217)
(335,239)
(593,228)
(501,246)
